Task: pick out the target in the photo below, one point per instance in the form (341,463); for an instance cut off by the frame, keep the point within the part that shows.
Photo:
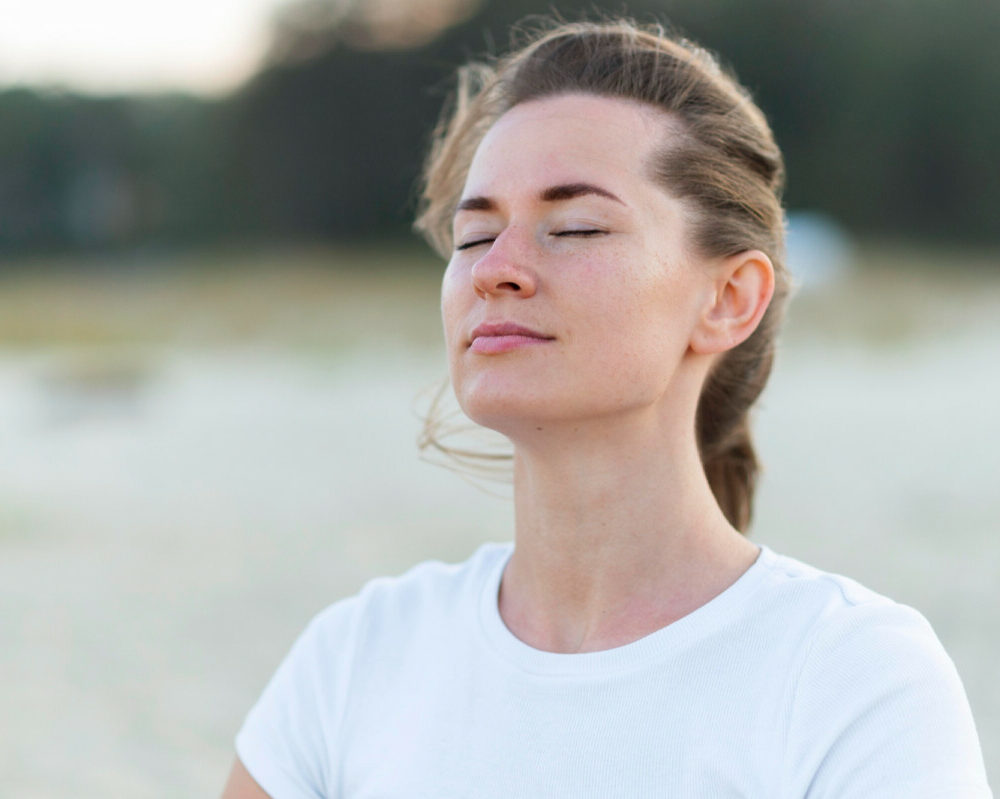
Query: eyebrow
(564,191)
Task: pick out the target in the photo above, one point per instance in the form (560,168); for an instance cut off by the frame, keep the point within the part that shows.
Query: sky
(111,46)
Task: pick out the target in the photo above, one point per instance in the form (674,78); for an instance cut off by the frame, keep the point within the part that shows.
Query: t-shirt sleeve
(289,738)
(879,711)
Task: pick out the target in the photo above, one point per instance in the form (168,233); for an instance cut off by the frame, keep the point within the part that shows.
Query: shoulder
(845,622)
(400,601)
(388,612)
(847,632)
(810,583)
(292,734)
(434,576)
(872,692)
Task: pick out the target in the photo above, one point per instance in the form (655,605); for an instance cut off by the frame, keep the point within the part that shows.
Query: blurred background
(217,335)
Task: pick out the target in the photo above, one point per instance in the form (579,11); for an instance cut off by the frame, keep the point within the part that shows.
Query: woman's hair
(724,165)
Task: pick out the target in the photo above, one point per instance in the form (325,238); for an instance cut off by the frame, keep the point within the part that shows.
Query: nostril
(509,285)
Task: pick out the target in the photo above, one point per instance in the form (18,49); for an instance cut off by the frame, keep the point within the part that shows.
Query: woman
(609,202)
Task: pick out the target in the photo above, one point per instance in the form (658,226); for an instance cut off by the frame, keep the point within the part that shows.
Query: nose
(503,268)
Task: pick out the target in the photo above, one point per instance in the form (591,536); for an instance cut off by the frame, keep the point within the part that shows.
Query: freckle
(538,428)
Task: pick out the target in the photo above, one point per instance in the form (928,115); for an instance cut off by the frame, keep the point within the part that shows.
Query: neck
(617,535)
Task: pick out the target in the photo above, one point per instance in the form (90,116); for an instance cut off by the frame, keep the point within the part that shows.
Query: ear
(743,287)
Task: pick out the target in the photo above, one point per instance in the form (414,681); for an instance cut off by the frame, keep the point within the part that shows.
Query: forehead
(568,137)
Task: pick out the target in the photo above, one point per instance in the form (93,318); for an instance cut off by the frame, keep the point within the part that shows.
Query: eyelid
(580,232)
(585,232)
(474,242)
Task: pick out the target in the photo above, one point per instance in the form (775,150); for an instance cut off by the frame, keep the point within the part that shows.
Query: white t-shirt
(790,683)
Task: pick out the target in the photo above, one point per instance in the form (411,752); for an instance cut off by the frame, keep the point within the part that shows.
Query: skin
(241,785)
(617,532)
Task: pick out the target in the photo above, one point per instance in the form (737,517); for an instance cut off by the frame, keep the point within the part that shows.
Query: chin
(518,416)
(503,414)
(506,414)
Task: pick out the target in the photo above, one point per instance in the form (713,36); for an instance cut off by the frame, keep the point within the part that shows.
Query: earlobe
(743,289)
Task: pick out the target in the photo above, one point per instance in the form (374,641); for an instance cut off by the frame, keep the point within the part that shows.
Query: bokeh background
(217,335)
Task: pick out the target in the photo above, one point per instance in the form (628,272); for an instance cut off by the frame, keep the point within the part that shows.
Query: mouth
(488,339)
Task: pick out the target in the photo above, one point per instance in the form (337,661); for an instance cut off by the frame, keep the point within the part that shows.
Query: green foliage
(886,111)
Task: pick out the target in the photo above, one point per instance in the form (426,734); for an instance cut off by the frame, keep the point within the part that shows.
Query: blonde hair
(725,165)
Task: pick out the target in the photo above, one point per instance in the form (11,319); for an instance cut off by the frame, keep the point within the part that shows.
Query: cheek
(620,291)
(643,313)
(452,311)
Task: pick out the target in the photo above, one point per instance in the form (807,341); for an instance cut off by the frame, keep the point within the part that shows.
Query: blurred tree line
(887,112)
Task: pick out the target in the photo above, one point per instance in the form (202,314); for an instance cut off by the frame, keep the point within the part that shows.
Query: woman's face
(572,293)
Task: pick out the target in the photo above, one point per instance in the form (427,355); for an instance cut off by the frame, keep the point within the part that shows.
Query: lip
(489,338)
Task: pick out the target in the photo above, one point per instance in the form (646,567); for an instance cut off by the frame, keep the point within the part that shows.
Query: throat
(562,612)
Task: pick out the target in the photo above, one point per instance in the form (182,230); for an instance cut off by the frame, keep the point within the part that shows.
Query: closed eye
(474,243)
(579,232)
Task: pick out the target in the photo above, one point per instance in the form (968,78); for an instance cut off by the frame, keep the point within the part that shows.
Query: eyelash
(584,233)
